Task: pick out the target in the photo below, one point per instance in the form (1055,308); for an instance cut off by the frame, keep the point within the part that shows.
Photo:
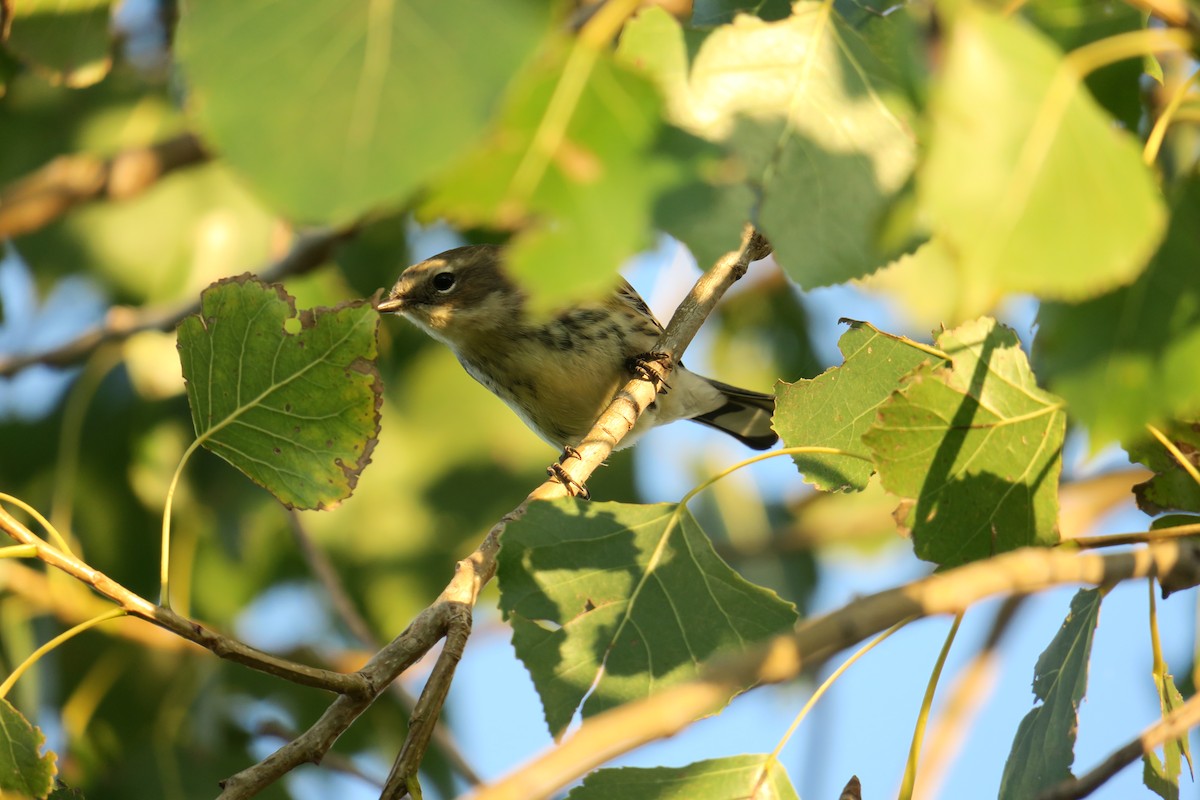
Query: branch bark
(47,193)
(621,729)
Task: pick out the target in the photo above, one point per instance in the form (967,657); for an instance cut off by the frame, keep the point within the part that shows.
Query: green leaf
(1129,358)
(298,412)
(581,178)
(22,771)
(836,408)
(706,13)
(611,602)
(811,114)
(1036,190)
(1162,776)
(1172,488)
(734,778)
(65,40)
(977,447)
(1044,747)
(333,109)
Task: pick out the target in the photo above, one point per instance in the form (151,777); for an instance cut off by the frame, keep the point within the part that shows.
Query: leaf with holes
(1044,747)
(298,413)
(610,602)
(975,448)
(837,407)
(743,777)
(1172,488)
(23,773)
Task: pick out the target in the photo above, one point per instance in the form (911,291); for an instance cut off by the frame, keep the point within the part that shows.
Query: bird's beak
(392,305)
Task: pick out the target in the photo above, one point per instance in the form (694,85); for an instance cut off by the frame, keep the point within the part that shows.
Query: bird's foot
(651,367)
(574,488)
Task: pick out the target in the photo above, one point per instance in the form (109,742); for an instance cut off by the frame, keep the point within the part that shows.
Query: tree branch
(309,252)
(223,646)
(781,658)
(47,193)
(474,571)
(1173,726)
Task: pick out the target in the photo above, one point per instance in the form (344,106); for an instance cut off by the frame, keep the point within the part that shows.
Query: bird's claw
(650,367)
(574,488)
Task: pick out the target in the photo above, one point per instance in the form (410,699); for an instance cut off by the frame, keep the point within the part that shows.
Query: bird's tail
(746,416)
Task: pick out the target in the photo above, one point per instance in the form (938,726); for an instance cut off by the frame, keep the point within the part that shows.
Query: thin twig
(47,193)
(346,610)
(223,646)
(1173,726)
(607,735)
(121,322)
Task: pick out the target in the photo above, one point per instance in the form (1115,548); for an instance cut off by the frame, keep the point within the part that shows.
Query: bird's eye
(443,281)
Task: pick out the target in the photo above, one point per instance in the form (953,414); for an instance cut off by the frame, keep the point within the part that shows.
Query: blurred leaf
(582,178)
(1036,190)
(1044,747)
(836,408)
(376,256)
(628,598)
(67,40)
(733,778)
(1129,357)
(1172,488)
(710,13)
(1074,23)
(22,770)
(807,108)
(1162,776)
(763,333)
(343,86)
(976,448)
(298,413)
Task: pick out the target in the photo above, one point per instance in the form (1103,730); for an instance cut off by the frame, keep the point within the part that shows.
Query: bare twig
(223,646)
(473,572)
(121,322)
(781,658)
(344,607)
(49,192)
(1173,726)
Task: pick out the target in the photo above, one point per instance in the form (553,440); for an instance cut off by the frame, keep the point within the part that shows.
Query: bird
(559,370)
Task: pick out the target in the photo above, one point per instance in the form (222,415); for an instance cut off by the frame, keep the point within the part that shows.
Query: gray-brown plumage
(559,371)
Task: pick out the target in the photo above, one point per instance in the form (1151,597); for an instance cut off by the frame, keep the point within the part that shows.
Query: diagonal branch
(47,193)
(626,727)
(309,252)
(474,571)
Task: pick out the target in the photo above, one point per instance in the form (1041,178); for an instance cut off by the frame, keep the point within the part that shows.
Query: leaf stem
(164,574)
(55,642)
(19,551)
(1159,131)
(786,451)
(59,541)
(914,753)
(1142,537)
(824,687)
(1176,453)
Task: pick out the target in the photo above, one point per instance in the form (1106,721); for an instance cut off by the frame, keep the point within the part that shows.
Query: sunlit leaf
(65,40)
(1044,746)
(976,448)
(810,112)
(836,408)
(297,412)
(745,777)
(1172,488)
(1161,776)
(621,600)
(1129,357)
(23,772)
(1035,190)
(331,109)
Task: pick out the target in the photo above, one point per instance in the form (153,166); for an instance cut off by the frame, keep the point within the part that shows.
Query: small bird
(559,371)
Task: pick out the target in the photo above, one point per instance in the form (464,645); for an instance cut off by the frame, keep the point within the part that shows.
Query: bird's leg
(651,367)
(574,487)
(569,452)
